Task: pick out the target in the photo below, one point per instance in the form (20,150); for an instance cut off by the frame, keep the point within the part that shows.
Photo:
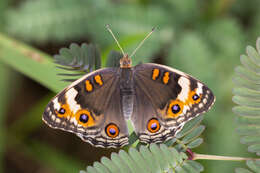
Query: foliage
(247,96)
(202,38)
(153,159)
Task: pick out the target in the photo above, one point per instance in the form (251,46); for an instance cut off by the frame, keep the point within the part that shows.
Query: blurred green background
(203,38)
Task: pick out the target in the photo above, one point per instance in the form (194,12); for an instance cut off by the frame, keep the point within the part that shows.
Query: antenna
(108,28)
(142,42)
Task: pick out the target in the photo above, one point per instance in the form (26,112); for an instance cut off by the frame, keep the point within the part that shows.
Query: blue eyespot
(112,130)
(195,97)
(153,125)
(176,108)
(83,118)
(62,111)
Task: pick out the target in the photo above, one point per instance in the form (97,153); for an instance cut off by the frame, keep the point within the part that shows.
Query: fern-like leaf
(152,159)
(82,59)
(247,96)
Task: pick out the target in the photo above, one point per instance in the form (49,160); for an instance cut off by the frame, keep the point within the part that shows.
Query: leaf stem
(215,157)
(182,144)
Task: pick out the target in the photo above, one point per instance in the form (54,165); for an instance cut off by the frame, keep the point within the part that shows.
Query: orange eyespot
(84,118)
(193,98)
(153,125)
(64,111)
(112,130)
(175,108)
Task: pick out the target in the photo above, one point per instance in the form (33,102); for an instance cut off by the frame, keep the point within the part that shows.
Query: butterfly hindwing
(165,100)
(90,107)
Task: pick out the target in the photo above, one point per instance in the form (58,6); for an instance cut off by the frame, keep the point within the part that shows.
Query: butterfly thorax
(125,62)
(127,91)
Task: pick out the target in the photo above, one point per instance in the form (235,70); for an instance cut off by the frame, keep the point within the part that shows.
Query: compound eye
(153,125)
(112,130)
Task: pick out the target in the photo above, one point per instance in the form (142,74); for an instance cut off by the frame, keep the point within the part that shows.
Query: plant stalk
(215,157)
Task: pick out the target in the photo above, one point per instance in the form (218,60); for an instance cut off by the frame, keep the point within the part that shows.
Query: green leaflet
(153,159)
(247,96)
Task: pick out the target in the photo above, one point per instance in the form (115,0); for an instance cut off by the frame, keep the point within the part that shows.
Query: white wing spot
(184,83)
(56,104)
(70,96)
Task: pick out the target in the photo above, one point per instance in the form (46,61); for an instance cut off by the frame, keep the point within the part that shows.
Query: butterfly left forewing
(174,96)
(88,108)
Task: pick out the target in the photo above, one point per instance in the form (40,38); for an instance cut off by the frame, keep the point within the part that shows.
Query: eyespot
(64,111)
(175,108)
(84,118)
(195,97)
(112,130)
(153,125)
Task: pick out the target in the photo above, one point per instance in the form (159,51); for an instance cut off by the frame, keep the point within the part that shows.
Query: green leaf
(31,62)
(247,63)
(189,126)
(246,111)
(253,165)
(100,168)
(247,74)
(194,134)
(242,170)
(152,159)
(249,129)
(247,96)
(254,148)
(253,55)
(250,139)
(246,101)
(245,92)
(197,142)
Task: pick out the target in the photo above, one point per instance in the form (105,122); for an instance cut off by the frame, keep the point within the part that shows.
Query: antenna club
(107,26)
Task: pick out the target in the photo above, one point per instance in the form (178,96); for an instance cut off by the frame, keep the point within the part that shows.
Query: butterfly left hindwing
(90,107)
(165,100)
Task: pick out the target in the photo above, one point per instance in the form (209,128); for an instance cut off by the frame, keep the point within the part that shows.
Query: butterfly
(157,99)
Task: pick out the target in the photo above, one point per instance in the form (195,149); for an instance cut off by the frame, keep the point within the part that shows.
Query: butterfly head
(125,61)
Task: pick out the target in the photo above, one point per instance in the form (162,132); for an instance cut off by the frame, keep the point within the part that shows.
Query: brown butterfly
(157,99)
